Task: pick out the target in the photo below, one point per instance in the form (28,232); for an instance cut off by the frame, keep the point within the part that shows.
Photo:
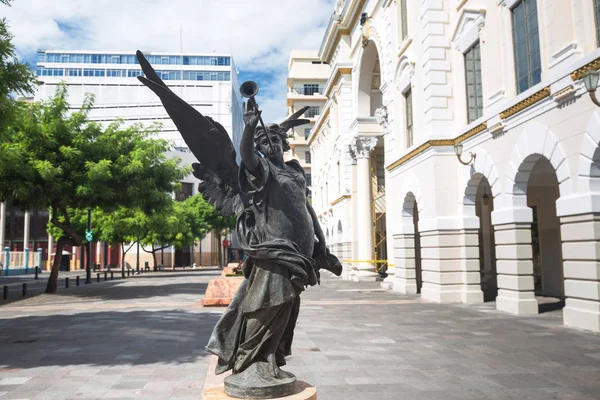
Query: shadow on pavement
(105,338)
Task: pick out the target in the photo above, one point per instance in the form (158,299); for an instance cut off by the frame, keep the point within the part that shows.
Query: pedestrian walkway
(144,338)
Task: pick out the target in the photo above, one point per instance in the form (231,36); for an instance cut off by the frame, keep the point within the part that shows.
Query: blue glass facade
(131,59)
(224,76)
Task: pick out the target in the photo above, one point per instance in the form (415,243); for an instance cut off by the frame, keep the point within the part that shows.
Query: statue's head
(277,133)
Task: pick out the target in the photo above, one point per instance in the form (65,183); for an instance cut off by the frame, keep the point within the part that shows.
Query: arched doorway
(484,205)
(542,192)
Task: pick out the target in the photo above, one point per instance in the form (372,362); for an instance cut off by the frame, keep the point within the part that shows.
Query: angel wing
(208,141)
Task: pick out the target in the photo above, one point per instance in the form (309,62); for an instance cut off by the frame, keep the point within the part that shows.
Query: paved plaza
(143,338)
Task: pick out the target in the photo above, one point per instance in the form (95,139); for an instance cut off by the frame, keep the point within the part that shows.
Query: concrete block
(519,303)
(582,314)
(512,236)
(581,250)
(589,231)
(514,252)
(589,290)
(443,278)
(587,270)
(436,265)
(516,282)
(441,293)
(514,267)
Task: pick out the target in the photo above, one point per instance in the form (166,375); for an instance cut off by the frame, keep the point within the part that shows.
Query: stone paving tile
(144,338)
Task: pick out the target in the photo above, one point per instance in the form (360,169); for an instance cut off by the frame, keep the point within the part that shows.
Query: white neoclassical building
(460,147)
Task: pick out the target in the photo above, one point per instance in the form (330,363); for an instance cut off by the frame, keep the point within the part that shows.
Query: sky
(258,33)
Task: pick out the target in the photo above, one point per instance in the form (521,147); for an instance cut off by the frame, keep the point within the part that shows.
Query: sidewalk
(144,338)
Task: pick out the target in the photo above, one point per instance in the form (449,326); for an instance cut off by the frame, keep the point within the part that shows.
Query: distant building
(209,82)
(305,87)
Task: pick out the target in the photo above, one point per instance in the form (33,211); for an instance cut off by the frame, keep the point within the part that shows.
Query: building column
(365,267)
(514,261)
(2,224)
(26,223)
(580,233)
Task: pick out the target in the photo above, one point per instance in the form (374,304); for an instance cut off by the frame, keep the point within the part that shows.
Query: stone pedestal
(581,265)
(220,291)
(304,391)
(514,265)
(450,266)
(405,280)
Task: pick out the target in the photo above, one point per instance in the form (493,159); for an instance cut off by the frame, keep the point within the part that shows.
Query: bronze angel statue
(276,227)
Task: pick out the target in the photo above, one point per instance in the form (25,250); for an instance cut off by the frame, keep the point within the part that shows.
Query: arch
(411,185)
(589,157)
(369,55)
(405,69)
(483,167)
(536,141)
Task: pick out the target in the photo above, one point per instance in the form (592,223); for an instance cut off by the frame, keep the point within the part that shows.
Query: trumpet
(249,90)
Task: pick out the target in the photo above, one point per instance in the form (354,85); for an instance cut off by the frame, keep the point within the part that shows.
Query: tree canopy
(52,158)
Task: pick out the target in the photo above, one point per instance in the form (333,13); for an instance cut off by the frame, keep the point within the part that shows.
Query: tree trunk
(154,256)
(51,286)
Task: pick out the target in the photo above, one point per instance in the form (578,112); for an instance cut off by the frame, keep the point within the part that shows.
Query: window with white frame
(526,38)
(473,83)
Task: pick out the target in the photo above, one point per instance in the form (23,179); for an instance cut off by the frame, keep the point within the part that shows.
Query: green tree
(15,78)
(53,159)
(219,225)
(125,226)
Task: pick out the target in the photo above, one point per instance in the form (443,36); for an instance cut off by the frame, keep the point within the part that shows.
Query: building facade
(490,149)
(306,81)
(209,82)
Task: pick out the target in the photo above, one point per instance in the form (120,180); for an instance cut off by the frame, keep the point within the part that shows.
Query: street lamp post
(88,269)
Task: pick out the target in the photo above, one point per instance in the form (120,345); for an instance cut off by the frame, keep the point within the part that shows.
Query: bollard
(123,274)
(66,283)
(36,272)
(105,275)
(24,289)
(5,295)
(77,281)
(111,275)
(98,277)
(138,269)
(128,272)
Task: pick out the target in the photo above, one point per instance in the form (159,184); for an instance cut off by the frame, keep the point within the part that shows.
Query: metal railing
(307,90)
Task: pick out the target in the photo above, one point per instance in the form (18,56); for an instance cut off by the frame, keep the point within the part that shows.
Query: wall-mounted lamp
(363,18)
(590,79)
(485,198)
(458,148)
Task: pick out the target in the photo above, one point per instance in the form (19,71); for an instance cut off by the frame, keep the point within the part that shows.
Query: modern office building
(471,120)
(208,82)
(306,81)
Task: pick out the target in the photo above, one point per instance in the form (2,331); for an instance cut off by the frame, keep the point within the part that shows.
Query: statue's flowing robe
(278,236)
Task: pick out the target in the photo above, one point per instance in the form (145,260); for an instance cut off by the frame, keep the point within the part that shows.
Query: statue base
(302,391)
(220,291)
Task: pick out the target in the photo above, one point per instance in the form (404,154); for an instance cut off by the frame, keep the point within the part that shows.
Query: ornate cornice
(471,132)
(340,199)
(437,143)
(579,73)
(531,100)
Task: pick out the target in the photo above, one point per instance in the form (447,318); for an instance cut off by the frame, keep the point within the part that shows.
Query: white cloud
(259,34)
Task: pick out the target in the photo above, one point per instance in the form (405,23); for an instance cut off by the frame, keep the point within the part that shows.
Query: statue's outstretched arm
(249,156)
